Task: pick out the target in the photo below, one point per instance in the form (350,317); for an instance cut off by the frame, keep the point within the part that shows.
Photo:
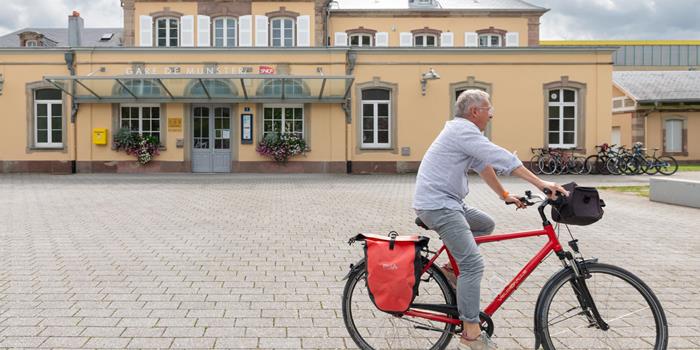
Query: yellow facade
(519,79)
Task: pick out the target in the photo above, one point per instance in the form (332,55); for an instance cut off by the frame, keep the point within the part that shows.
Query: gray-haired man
(441,185)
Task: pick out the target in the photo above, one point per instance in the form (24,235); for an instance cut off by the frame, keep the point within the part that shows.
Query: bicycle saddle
(420,223)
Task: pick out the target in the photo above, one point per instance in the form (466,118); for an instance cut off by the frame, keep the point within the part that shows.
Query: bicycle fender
(540,302)
(354,267)
(540,298)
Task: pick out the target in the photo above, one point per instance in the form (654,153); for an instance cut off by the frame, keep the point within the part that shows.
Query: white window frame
(281,31)
(140,106)
(359,37)
(168,38)
(375,126)
(49,126)
(488,37)
(561,104)
(31,43)
(667,123)
(283,107)
(425,37)
(226,23)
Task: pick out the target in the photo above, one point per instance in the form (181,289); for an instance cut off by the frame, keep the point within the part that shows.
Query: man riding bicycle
(442,183)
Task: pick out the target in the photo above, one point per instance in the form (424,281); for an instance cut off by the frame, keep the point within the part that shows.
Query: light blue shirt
(442,180)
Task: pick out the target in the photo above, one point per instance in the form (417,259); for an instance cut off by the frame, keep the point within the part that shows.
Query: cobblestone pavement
(256,261)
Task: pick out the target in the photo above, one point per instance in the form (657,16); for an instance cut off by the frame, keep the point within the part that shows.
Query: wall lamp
(430,75)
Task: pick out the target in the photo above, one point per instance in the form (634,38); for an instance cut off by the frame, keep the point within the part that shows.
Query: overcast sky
(567,19)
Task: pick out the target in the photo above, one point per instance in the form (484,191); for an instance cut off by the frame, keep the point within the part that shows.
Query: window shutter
(447,39)
(341,39)
(381,39)
(145,31)
(471,39)
(245,31)
(405,39)
(261,31)
(187,23)
(203,31)
(512,39)
(303,31)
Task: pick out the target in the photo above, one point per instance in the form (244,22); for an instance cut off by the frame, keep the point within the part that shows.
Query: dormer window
(282,32)
(424,40)
(490,40)
(225,32)
(167,32)
(491,37)
(31,43)
(360,40)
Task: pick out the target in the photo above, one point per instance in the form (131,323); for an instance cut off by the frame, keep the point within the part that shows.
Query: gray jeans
(457,230)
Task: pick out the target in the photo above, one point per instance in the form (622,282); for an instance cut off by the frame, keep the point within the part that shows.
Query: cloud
(620,19)
(17,14)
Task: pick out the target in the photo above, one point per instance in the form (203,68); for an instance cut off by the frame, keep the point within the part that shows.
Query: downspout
(70,63)
(326,19)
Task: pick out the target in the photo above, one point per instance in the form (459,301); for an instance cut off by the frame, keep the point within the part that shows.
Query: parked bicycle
(595,164)
(665,165)
(560,161)
(586,305)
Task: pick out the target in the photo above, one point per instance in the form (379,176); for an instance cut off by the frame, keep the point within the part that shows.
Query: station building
(368,84)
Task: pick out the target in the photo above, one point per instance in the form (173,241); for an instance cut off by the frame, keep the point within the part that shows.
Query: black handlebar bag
(582,207)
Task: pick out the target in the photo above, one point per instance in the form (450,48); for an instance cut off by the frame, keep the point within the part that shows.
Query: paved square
(256,261)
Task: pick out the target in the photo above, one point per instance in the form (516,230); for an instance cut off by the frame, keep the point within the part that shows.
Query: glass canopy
(219,88)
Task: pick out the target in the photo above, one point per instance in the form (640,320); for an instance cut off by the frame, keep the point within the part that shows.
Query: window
(142,119)
(490,40)
(140,88)
(225,32)
(283,120)
(361,40)
(31,43)
(674,136)
(562,117)
(376,115)
(214,88)
(282,33)
(292,88)
(167,32)
(48,118)
(424,40)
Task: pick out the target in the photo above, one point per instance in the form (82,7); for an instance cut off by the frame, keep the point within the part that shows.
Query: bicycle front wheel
(371,328)
(634,315)
(667,165)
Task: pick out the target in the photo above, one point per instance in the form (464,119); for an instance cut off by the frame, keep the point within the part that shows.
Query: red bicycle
(586,305)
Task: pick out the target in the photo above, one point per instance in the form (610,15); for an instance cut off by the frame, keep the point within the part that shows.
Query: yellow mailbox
(99,136)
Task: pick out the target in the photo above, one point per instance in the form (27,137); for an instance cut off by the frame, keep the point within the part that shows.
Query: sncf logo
(390,267)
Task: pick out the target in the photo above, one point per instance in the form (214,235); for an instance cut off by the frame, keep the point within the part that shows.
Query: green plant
(281,147)
(143,147)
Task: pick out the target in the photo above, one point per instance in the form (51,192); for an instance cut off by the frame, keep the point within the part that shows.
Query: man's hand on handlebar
(553,189)
(516,201)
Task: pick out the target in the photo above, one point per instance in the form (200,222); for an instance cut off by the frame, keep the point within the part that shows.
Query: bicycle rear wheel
(371,328)
(634,315)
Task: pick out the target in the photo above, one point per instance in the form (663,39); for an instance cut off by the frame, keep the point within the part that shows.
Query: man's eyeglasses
(491,110)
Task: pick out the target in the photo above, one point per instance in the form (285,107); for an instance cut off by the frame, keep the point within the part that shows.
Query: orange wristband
(505,194)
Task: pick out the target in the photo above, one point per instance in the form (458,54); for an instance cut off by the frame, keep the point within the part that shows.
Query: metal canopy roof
(208,88)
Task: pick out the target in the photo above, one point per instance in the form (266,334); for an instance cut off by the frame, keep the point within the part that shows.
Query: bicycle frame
(552,245)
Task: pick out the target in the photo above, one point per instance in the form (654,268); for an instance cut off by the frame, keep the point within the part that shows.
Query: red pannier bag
(393,266)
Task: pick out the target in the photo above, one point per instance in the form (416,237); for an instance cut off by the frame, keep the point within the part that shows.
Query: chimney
(75,29)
